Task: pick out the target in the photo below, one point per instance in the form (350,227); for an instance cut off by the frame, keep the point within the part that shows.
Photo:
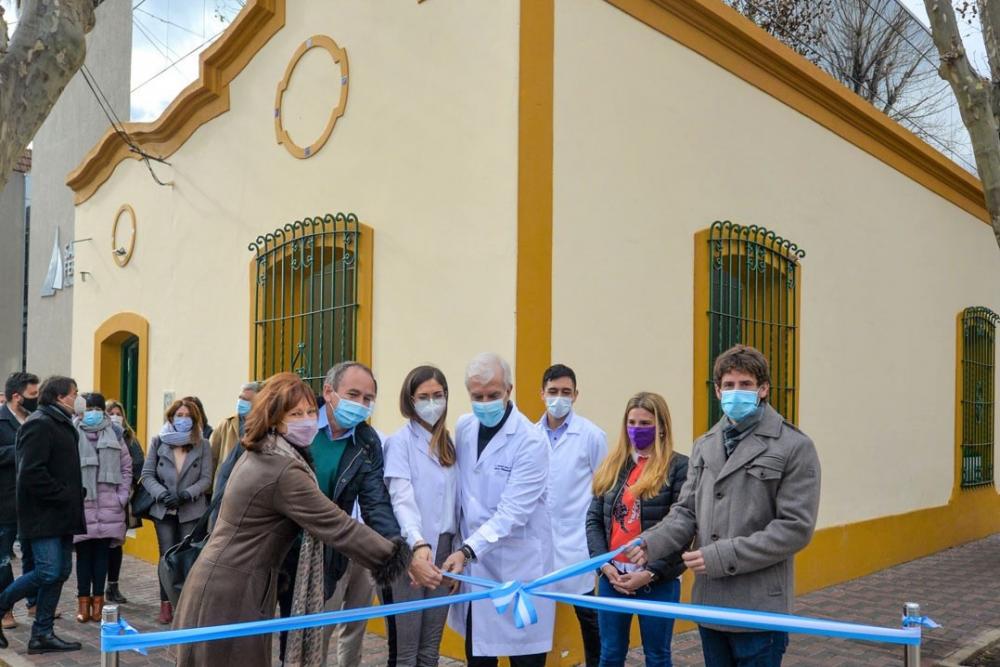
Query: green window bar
(979,326)
(754,300)
(306,301)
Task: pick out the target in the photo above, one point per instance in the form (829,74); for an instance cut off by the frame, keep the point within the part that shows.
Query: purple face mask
(641,436)
(301,431)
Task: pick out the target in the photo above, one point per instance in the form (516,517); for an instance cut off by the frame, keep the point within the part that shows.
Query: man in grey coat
(749,504)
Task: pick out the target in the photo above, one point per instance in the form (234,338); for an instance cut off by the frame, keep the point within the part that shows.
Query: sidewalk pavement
(959,588)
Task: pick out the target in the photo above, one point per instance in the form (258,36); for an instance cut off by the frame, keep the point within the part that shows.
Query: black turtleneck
(486,433)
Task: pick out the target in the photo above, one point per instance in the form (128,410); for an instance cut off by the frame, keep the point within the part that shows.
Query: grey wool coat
(159,474)
(748,515)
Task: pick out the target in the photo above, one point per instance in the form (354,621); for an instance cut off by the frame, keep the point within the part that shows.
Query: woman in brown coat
(271,495)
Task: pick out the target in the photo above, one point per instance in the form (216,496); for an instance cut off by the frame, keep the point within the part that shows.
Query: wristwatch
(653,577)
(469,554)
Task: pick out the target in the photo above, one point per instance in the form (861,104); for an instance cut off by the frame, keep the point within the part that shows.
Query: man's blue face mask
(738,404)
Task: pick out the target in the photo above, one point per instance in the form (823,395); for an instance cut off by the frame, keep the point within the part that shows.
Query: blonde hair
(654,475)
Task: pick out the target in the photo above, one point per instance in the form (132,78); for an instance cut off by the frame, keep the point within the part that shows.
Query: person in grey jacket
(177,473)
(749,504)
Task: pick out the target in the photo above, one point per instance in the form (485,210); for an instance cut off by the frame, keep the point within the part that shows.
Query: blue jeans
(657,633)
(53,564)
(742,649)
(8,533)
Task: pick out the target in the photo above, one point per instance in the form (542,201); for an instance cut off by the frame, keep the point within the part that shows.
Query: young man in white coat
(577,447)
(503,467)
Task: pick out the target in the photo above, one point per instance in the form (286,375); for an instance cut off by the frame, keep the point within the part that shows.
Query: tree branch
(47,49)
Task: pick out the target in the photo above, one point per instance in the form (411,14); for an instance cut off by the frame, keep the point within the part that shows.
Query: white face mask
(558,406)
(430,409)
(116,419)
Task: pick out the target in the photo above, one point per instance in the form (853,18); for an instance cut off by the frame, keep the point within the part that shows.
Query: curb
(981,641)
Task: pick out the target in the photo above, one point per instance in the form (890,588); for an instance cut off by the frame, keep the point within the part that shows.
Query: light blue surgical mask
(489,413)
(183,424)
(558,406)
(92,417)
(243,407)
(350,413)
(738,404)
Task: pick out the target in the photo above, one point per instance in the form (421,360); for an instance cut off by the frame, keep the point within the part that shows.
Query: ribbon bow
(517,596)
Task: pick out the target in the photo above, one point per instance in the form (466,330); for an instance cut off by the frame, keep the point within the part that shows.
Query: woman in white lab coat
(422,479)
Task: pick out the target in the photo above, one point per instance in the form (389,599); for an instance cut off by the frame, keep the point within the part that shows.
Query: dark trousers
(8,533)
(590,630)
(656,633)
(91,567)
(742,649)
(533,660)
(114,564)
(53,564)
(170,531)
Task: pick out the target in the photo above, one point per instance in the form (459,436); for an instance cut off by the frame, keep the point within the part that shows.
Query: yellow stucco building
(541,178)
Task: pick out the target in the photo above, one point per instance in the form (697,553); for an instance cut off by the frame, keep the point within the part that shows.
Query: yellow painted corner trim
(534,201)
(204,99)
(730,40)
(339,57)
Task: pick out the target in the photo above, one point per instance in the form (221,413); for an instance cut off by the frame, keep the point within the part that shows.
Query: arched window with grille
(747,290)
(977,331)
(312,297)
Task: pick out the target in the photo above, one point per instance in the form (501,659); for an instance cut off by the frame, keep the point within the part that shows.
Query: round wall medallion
(123,235)
(339,57)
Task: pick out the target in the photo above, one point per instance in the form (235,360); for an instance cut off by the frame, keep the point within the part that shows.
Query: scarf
(304,647)
(173,437)
(100,456)
(733,434)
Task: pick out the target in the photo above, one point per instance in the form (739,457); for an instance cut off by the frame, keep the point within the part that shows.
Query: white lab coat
(408,456)
(573,459)
(505,520)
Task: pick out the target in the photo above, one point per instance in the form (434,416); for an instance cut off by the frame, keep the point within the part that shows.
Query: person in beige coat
(749,504)
(271,495)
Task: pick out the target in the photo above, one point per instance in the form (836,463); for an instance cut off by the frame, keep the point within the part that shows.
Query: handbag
(141,502)
(177,561)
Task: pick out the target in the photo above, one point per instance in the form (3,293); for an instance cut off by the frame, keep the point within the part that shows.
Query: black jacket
(49,487)
(8,479)
(652,511)
(360,477)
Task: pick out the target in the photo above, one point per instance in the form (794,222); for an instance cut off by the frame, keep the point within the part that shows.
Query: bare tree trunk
(47,49)
(974,95)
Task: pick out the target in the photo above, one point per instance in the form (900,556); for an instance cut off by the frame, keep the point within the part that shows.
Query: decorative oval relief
(123,235)
(339,57)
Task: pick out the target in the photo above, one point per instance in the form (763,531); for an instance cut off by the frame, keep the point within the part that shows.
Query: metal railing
(978,395)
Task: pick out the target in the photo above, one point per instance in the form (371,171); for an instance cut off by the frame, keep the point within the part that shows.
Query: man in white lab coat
(577,447)
(503,467)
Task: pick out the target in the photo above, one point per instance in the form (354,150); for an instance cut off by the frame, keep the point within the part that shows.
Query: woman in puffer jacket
(106,470)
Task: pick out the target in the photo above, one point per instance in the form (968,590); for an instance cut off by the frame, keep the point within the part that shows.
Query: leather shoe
(50,644)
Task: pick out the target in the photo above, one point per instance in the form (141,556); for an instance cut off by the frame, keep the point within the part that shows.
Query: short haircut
(557,371)
(745,359)
(95,400)
(251,386)
(483,367)
(54,388)
(336,374)
(17,383)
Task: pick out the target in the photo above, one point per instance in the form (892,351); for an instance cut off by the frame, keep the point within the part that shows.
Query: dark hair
(441,443)
(201,408)
(336,374)
(281,393)
(54,388)
(17,383)
(744,359)
(557,371)
(197,425)
(95,400)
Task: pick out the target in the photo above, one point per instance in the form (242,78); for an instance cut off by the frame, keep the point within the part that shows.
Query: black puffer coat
(652,511)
